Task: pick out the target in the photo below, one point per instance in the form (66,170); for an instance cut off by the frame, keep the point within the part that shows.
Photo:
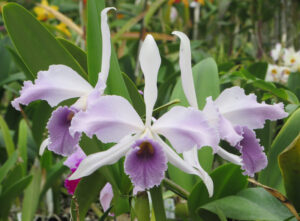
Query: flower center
(293,60)
(70,116)
(145,149)
(274,71)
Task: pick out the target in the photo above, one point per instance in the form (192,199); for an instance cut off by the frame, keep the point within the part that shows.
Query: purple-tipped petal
(71,185)
(106,196)
(74,160)
(61,142)
(244,110)
(186,128)
(253,157)
(146,163)
(55,85)
(216,120)
(110,118)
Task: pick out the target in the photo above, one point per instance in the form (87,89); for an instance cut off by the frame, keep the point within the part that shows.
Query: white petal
(94,161)
(185,128)
(150,61)
(57,84)
(43,146)
(191,157)
(106,48)
(110,118)
(181,164)
(225,128)
(244,110)
(186,69)
(229,156)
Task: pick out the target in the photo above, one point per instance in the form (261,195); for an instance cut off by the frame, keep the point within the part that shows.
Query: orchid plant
(233,114)
(113,119)
(61,83)
(134,162)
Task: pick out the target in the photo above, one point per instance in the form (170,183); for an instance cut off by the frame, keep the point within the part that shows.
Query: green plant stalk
(158,203)
(169,184)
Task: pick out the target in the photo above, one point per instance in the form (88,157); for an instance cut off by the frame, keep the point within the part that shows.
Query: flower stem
(158,203)
(169,184)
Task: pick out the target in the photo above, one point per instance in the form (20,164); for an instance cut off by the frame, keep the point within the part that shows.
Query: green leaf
(35,44)
(78,54)
(94,39)
(228,180)
(41,114)
(271,175)
(294,83)
(141,208)
(6,199)
(137,100)
(258,69)
(19,62)
(289,163)
(115,82)
(158,203)
(250,204)
(4,59)
(9,163)
(32,193)
(9,144)
(206,80)
(22,144)
(87,191)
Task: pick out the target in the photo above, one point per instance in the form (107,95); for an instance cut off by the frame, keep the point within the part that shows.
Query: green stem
(169,184)
(158,203)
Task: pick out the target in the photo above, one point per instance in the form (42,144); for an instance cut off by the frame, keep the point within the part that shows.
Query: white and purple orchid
(113,119)
(60,83)
(73,162)
(234,114)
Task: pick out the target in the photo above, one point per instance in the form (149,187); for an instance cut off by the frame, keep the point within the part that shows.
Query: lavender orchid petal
(178,162)
(150,61)
(216,120)
(55,85)
(186,69)
(146,163)
(61,142)
(106,50)
(188,130)
(253,157)
(244,110)
(74,159)
(191,157)
(110,118)
(94,161)
(106,196)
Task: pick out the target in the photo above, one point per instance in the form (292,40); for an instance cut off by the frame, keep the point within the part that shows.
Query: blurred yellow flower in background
(63,28)
(43,14)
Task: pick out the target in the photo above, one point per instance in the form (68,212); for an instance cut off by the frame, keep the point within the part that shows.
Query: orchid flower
(234,114)
(106,196)
(60,83)
(113,119)
(73,162)
(291,59)
(276,52)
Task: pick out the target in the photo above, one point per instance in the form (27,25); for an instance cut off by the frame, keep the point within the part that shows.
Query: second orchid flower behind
(233,114)
(60,83)
(113,119)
